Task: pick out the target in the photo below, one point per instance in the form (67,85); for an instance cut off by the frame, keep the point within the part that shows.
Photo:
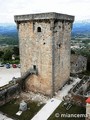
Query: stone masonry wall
(8,93)
(45,45)
(80,65)
(62,33)
(36,49)
(48,50)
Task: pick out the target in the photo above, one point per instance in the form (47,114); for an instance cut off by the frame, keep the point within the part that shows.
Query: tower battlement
(42,16)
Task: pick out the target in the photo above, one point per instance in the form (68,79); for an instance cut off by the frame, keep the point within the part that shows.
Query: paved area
(47,110)
(6,75)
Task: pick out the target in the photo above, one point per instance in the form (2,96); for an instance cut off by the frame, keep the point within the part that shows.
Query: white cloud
(9,8)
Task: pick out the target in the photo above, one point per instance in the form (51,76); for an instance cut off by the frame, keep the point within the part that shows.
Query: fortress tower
(44,41)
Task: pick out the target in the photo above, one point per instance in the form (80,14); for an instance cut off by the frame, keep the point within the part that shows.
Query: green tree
(7,54)
(1,53)
(16,50)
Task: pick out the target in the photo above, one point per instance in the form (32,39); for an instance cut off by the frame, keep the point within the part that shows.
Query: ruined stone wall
(62,37)
(79,100)
(36,50)
(80,65)
(8,93)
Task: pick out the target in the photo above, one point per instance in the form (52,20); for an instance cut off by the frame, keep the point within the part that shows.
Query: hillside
(9,35)
(81,29)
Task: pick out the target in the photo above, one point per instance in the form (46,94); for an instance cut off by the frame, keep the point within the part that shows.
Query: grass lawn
(86,73)
(73,110)
(12,108)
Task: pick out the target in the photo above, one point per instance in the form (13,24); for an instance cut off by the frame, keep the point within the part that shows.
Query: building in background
(78,63)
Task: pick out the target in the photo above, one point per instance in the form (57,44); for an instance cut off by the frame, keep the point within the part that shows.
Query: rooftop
(88,100)
(42,16)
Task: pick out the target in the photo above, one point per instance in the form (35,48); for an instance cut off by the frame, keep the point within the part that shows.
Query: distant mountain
(9,35)
(8,29)
(81,28)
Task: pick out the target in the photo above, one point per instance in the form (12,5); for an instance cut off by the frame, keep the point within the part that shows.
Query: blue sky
(8,8)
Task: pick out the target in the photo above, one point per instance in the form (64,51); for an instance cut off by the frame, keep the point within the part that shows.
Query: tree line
(9,54)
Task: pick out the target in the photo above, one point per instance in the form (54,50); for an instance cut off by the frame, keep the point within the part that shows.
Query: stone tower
(44,41)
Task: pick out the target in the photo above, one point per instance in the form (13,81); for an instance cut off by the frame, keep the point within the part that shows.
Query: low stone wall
(8,92)
(11,90)
(79,91)
(79,100)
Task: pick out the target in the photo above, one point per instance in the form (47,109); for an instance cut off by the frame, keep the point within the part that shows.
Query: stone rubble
(36,97)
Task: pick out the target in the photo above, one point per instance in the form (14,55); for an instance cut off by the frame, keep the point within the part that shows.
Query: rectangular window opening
(34,67)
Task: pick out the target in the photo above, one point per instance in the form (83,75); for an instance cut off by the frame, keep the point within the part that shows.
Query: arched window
(39,29)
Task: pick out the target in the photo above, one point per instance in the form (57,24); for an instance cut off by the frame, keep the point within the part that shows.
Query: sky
(78,8)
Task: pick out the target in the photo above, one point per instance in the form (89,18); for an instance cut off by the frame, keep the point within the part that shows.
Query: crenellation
(43,16)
